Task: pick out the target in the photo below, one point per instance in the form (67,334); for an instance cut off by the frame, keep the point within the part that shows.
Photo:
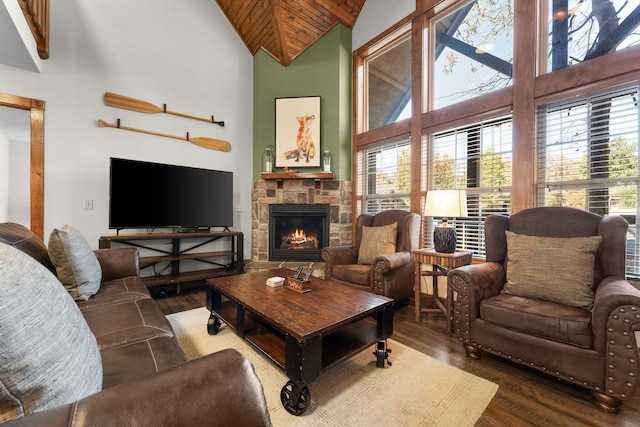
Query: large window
(385,173)
(588,157)
(476,158)
(473,51)
(580,30)
(387,83)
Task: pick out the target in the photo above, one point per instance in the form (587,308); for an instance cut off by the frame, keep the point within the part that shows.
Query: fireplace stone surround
(337,194)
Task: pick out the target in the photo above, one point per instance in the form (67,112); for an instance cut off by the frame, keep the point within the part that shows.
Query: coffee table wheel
(382,354)
(213,325)
(288,398)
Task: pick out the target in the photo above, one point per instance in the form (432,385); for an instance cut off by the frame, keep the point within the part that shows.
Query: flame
(299,237)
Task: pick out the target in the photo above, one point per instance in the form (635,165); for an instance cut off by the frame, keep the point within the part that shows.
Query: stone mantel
(299,191)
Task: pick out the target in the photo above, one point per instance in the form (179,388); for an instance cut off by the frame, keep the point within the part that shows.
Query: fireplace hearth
(298,232)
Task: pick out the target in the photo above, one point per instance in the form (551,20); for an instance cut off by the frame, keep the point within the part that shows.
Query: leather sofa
(390,274)
(593,347)
(147,379)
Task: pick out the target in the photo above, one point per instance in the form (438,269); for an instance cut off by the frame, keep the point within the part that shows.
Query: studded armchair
(389,274)
(596,349)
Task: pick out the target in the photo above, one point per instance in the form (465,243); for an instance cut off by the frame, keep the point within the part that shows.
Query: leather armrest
(471,284)
(338,255)
(218,389)
(389,262)
(615,296)
(118,262)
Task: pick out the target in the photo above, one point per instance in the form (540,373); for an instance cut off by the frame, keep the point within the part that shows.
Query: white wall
(19,182)
(185,54)
(4,179)
(377,16)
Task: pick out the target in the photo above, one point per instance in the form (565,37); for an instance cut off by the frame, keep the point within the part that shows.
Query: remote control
(298,272)
(308,276)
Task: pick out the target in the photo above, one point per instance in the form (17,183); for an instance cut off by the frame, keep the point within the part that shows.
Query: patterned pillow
(552,269)
(76,265)
(49,356)
(377,241)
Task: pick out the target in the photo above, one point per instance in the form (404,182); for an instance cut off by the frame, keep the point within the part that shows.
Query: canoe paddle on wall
(121,101)
(210,143)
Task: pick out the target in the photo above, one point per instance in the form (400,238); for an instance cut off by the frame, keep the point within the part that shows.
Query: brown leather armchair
(390,275)
(597,349)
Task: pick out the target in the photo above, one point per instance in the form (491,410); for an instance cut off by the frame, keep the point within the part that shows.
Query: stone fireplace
(333,197)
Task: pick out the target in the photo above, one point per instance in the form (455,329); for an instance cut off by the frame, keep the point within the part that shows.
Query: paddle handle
(210,143)
(188,116)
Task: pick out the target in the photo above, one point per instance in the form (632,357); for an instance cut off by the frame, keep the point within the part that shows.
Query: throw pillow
(377,241)
(76,265)
(552,269)
(49,355)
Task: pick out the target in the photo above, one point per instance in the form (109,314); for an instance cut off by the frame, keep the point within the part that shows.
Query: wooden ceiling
(285,28)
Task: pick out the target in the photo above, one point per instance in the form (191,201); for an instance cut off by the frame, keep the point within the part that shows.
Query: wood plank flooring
(525,397)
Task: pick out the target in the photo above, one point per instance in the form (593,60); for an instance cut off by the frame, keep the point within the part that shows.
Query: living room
(192,59)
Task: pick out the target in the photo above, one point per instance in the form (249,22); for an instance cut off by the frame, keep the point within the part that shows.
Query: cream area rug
(416,390)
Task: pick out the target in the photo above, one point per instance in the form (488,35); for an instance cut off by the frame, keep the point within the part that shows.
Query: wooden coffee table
(303,333)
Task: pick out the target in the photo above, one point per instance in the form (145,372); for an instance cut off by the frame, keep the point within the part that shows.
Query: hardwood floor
(524,398)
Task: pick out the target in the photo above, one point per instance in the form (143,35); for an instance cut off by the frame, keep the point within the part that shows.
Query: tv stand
(222,262)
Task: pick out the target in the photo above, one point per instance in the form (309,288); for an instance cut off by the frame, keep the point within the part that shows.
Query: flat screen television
(156,195)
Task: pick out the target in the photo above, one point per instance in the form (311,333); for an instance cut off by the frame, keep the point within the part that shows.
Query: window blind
(386,176)
(588,157)
(476,158)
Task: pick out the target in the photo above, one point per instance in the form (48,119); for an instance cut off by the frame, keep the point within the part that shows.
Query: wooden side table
(441,263)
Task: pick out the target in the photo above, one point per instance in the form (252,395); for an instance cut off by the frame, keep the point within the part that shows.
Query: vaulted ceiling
(285,28)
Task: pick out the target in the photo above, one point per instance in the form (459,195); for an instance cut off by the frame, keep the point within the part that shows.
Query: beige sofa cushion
(76,265)
(49,356)
(552,269)
(377,241)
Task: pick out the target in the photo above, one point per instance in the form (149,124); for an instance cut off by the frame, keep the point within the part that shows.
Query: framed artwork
(298,132)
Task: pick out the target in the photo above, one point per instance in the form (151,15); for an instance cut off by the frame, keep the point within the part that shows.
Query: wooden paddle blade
(121,101)
(211,143)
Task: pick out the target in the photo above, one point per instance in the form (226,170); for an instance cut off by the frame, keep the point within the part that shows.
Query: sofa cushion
(540,318)
(127,322)
(352,273)
(377,241)
(48,355)
(115,291)
(552,269)
(22,238)
(77,266)
(130,362)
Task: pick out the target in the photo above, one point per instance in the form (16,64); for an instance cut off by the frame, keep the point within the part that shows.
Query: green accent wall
(324,70)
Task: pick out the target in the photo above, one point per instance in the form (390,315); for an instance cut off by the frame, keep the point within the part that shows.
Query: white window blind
(385,173)
(588,157)
(476,158)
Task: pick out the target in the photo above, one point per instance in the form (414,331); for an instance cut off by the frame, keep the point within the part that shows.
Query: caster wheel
(287,397)
(213,325)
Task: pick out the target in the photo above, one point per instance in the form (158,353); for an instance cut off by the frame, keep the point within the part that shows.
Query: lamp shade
(446,203)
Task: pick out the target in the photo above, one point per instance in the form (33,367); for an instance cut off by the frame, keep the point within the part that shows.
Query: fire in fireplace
(298,232)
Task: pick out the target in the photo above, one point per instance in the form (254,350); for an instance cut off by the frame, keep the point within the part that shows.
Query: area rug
(417,390)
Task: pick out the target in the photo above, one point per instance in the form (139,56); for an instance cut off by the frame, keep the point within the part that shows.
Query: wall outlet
(88,205)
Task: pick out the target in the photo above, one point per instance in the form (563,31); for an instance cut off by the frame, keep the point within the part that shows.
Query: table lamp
(445,204)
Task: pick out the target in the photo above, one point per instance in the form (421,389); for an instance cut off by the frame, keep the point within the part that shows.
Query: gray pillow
(76,265)
(48,355)
(552,269)
(377,241)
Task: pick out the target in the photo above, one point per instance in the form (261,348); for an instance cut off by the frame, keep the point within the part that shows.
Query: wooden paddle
(121,101)
(210,143)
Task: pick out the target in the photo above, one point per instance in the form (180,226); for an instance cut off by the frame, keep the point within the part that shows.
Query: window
(580,30)
(477,158)
(473,51)
(385,174)
(388,80)
(588,157)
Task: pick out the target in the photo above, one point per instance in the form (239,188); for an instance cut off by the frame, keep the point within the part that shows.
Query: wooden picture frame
(298,132)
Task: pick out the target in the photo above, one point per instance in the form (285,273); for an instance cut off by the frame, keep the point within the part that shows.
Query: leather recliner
(390,275)
(597,349)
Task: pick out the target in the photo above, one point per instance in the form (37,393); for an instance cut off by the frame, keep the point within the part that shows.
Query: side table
(442,263)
